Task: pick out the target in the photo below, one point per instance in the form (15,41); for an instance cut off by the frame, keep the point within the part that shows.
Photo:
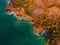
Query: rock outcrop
(44,13)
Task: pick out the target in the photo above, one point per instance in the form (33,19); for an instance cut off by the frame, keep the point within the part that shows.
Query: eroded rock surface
(44,13)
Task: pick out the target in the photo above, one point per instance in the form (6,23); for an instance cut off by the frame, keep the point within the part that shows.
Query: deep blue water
(15,32)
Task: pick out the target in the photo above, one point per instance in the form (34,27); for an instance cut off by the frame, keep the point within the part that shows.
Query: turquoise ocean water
(15,32)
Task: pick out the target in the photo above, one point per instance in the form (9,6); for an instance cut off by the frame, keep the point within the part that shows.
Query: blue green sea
(16,32)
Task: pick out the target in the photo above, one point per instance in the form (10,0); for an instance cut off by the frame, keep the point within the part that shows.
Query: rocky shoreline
(44,13)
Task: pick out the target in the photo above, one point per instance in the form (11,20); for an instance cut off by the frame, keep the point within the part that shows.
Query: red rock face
(40,7)
(42,11)
(44,3)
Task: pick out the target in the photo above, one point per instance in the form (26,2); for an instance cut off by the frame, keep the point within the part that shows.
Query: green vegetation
(20,3)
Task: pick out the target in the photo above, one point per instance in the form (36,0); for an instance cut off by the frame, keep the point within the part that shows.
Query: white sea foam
(10,13)
(8,1)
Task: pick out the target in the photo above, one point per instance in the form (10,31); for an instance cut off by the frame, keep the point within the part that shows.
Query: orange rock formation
(44,13)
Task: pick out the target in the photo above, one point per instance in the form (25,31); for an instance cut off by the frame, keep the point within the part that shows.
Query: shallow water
(15,32)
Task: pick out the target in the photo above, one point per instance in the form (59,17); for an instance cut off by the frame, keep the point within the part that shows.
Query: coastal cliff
(45,14)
